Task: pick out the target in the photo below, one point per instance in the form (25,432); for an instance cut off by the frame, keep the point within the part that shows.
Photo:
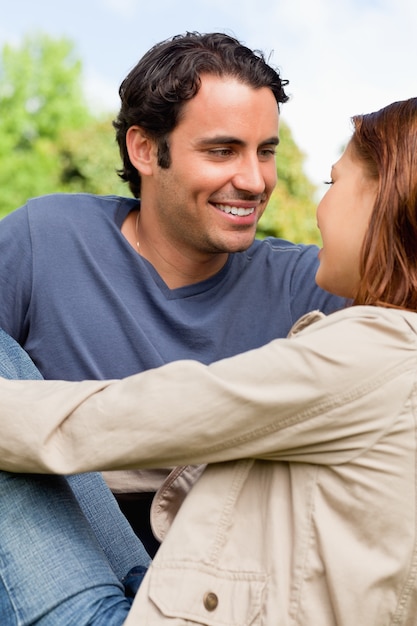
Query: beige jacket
(307,513)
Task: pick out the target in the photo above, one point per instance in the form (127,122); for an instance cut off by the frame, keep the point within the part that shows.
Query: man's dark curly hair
(169,74)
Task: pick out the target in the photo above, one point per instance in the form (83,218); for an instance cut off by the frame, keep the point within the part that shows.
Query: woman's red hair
(385,142)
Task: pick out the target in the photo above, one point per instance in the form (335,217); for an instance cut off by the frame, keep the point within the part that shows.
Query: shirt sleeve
(15,274)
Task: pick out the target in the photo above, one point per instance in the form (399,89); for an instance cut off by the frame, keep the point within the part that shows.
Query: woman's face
(343,217)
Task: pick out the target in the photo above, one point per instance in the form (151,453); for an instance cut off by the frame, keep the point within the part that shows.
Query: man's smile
(234,210)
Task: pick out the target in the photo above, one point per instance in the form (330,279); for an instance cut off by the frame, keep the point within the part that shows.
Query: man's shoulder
(273,247)
(71,210)
(275,244)
(63,214)
(75,202)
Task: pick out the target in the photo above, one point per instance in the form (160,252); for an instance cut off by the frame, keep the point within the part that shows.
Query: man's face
(222,170)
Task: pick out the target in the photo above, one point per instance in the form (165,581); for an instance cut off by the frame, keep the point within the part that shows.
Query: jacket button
(210,601)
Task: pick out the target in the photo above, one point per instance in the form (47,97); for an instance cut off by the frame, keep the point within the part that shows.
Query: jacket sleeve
(322,397)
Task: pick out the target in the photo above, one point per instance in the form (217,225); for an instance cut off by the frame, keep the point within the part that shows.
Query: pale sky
(342,57)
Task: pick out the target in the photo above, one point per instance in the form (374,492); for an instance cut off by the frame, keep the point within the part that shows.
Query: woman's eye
(328,182)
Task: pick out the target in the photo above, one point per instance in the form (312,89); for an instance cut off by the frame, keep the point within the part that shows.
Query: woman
(307,511)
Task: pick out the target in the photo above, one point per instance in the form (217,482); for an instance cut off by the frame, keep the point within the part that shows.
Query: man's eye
(220,151)
(267,153)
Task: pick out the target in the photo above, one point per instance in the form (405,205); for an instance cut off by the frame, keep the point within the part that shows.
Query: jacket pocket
(207,595)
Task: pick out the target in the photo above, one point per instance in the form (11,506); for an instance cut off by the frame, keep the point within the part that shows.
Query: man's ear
(141,150)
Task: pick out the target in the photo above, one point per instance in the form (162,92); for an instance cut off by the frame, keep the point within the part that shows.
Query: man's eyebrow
(228,140)
(272,141)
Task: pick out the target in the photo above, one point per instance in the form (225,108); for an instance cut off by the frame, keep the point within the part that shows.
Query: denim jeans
(64,544)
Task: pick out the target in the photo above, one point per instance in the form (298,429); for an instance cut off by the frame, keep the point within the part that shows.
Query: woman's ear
(141,150)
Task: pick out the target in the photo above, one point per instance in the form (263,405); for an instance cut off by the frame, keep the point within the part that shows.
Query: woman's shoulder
(367,322)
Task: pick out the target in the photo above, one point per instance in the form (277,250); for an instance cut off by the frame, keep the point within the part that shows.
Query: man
(103,288)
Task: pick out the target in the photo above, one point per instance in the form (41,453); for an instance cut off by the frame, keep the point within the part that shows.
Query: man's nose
(249,175)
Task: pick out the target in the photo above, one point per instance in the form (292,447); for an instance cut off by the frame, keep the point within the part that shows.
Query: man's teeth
(235,210)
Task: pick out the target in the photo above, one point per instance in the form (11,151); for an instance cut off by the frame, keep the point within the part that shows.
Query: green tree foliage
(40,97)
(90,159)
(291,212)
(49,141)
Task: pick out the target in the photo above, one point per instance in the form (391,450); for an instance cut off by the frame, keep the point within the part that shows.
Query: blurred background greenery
(51,141)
